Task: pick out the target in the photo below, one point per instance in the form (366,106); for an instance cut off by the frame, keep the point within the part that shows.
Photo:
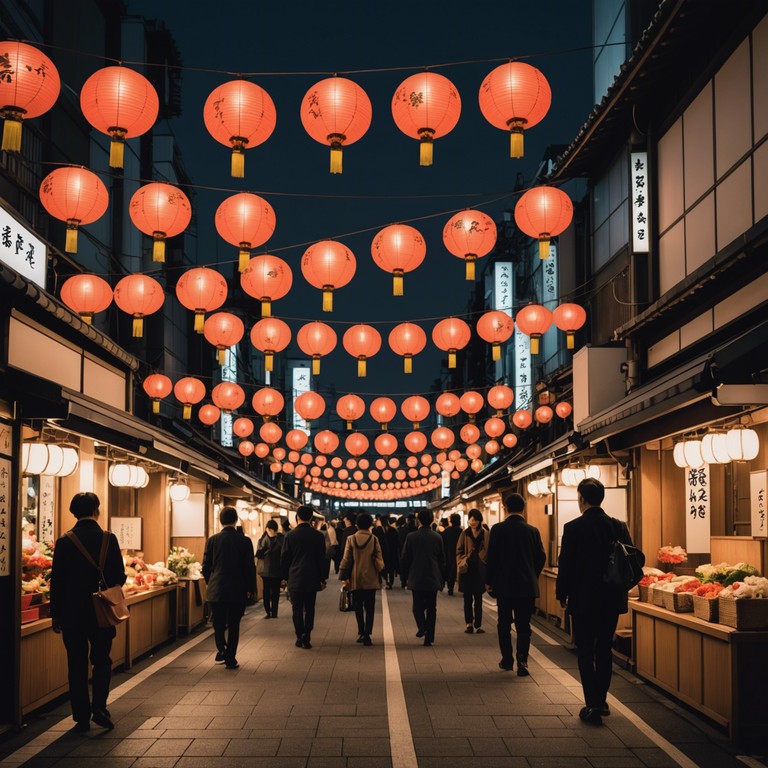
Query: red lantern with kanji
(415,408)
(76,196)
(267,278)
(241,115)
(471,403)
(189,391)
(121,103)
(514,97)
(209,414)
(398,249)
(448,405)
(309,405)
(426,106)
(522,419)
(160,211)
(356,444)
(362,341)
(544,414)
(242,427)
(563,409)
(246,447)
(139,296)
(157,386)
(415,442)
(500,397)
(247,221)
(385,444)
(469,433)
(326,441)
(336,112)
(407,340)
(29,87)
(296,439)
(267,402)
(494,427)
(223,330)
(228,396)
(328,265)
(469,235)
(350,408)
(383,410)
(270,335)
(270,432)
(509,440)
(534,320)
(86,295)
(451,335)
(569,318)
(316,339)
(442,438)
(201,290)
(543,213)
(495,327)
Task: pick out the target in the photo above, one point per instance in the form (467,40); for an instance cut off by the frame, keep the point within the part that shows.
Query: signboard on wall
(698,519)
(502,287)
(5,517)
(299,385)
(523,384)
(188,517)
(758,503)
(47,507)
(128,531)
(228,373)
(21,250)
(638,174)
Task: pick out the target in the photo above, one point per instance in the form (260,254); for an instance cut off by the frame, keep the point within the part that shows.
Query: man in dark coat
(450,539)
(349,528)
(390,548)
(73,581)
(422,563)
(514,561)
(593,604)
(229,571)
(302,563)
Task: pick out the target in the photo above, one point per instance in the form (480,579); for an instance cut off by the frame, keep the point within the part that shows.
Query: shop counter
(547,603)
(191,602)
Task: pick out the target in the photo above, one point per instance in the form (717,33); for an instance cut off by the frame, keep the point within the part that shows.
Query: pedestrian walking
(390,550)
(302,564)
(514,561)
(360,568)
(450,540)
(471,550)
(75,577)
(268,553)
(229,570)
(331,546)
(594,605)
(423,565)
(405,525)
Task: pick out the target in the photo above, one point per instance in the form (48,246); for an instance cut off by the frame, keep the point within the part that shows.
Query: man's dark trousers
(303,605)
(76,640)
(593,634)
(519,612)
(225,618)
(425,612)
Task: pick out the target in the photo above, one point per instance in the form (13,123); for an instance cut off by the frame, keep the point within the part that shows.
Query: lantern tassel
(407,363)
(451,358)
(245,258)
(222,355)
(12,132)
(534,345)
(426,146)
(361,367)
(397,282)
(516,138)
(335,140)
(268,360)
(155,405)
(187,413)
(327,298)
(315,365)
(544,246)
(138,326)
(469,261)
(415,424)
(266,306)
(117,148)
(199,321)
(158,247)
(570,341)
(496,352)
(70,243)
(384,427)
(87,317)
(237,169)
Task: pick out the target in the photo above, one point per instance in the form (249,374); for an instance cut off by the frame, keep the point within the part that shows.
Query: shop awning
(264,491)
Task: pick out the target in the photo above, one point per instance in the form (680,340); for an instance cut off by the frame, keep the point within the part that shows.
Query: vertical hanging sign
(5,517)
(502,287)
(639,176)
(228,373)
(697,519)
(522,369)
(549,286)
(21,250)
(47,506)
(300,384)
(758,482)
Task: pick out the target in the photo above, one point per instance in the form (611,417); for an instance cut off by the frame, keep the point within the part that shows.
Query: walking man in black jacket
(229,571)
(268,552)
(450,539)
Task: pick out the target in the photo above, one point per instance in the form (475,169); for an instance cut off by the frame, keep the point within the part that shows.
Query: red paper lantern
(534,320)
(328,265)
(569,318)
(29,87)
(492,447)
(522,419)
(350,408)
(160,211)
(356,444)
(494,427)
(247,221)
(495,327)
(157,386)
(398,249)
(242,427)
(385,444)
(309,405)
(296,439)
(316,339)
(471,403)
(514,97)
(246,447)
(336,112)
(442,438)
(267,402)
(470,235)
(201,290)
(86,295)
(473,451)
(223,330)
(543,213)
(139,296)
(509,440)
(189,391)
(451,335)
(383,410)
(469,433)
(270,335)
(501,398)
(73,195)
(242,115)
(544,414)
(448,405)
(121,103)
(415,409)
(361,341)
(228,396)
(270,432)
(326,441)
(209,414)
(426,106)
(407,340)
(262,450)
(267,278)
(563,409)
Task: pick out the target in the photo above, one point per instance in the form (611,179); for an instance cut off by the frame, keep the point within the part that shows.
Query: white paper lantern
(593,471)
(533,488)
(49,459)
(692,451)
(179,491)
(678,454)
(743,444)
(714,448)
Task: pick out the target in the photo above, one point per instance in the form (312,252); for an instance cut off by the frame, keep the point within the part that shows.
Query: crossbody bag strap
(102,554)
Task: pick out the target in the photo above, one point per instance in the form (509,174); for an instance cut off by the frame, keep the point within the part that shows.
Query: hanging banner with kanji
(5,517)
(21,250)
(638,174)
(698,520)
(758,502)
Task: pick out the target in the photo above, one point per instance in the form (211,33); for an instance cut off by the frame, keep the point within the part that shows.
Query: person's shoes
(367,640)
(305,643)
(101,717)
(420,633)
(360,638)
(82,726)
(469,629)
(427,643)
(221,657)
(604,710)
(522,668)
(232,665)
(506,665)
(590,715)
(479,631)
(299,642)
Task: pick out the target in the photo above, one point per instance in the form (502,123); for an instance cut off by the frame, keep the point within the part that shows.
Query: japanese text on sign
(47,505)
(300,384)
(638,174)
(502,287)
(758,481)
(21,250)
(697,505)
(5,516)
(523,381)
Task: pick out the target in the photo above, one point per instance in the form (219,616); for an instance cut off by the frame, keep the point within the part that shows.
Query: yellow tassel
(349,425)
(245,259)
(534,345)
(327,298)
(469,261)
(570,341)
(138,326)
(266,306)
(544,246)
(407,363)
(496,352)
(384,427)
(451,358)
(87,318)
(268,361)
(425,149)
(158,247)
(70,244)
(155,405)
(415,424)
(199,321)
(315,365)
(516,142)
(116,151)
(12,133)
(361,367)
(336,159)
(397,282)
(222,355)
(238,163)
(187,413)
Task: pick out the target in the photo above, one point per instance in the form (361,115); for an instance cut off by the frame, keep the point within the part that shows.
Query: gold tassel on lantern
(516,137)
(335,140)
(384,427)
(158,247)
(155,405)
(327,298)
(245,258)
(187,413)
(469,261)
(199,320)
(570,340)
(535,344)
(138,326)
(117,148)
(361,368)
(496,352)
(349,425)
(544,246)
(222,355)
(12,131)
(407,363)
(397,282)
(426,146)
(268,360)
(238,157)
(451,358)
(86,317)
(315,365)
(70,244)
(266,306)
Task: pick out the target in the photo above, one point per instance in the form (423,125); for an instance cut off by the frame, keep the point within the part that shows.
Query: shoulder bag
(625,563)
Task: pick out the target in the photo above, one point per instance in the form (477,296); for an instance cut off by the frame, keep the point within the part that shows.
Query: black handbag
(345,600)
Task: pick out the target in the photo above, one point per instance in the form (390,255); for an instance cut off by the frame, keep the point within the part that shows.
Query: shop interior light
(533,487)
(593,471)
(179,490)
(692,451)
(252,515)
(242,513)
(714,448)
(49,459)
(743,444)
(678,454)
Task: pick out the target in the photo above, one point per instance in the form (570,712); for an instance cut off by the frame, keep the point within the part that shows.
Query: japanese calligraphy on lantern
(47,505)
(21,250)
(5,516)
(758,484)
(128,531)
(502,287)
(638,174)
(697,510)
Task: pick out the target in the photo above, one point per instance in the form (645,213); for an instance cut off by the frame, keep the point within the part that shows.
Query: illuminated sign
(639,201)
(228,373)
(299,385)
(503,295)
(21,250)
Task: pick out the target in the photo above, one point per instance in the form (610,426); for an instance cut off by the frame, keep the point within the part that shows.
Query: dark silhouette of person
(269,550)
(450,540)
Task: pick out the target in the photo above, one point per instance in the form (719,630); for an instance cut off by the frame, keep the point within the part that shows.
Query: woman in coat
(268,554)
(360,568)
(471,550)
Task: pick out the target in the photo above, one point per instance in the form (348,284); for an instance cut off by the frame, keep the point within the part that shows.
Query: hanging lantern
(448,405)
(407,340)
(76,196)
(270,432)
(494,427)
(296,439)
(476,465)
(714,448)
(495,327)
(326,441)
(383,410)
(426,106)
(415,442)
(350,408)
(139,296)
(201,290)
(470,235)
(157,387)
(563,409)
(247,221)
(246,447)
(543,414)
(509,440)
(543,213)
(309,405)
(242,427)
(209,414)
(128,476)
(492,447)
(522,419)
(442,438)
(241,115)
(267,278)
(361,341)
(337,112)
(569,318)
(474,451)
(29,87)
(86,295)
(228,396)
(160,211)
(534,320)
(262,449)
(49,459)
(316,339)
(270,335)
(451,335)
(501,398)
(189,391)
(743,444)
(328,265)
(415,409)
(223,330)
(268,402)
(692,453)
(471,403)
(398,249)
(514,97)
(469,434)
(385,444)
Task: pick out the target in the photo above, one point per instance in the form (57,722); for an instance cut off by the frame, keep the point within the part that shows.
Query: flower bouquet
(179,560)
(671,556)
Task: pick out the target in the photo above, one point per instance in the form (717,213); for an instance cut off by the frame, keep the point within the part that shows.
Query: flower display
(710,591)
(691,585)
(36,562)
(753,587)
(179,561)
(672,555)
(725,574)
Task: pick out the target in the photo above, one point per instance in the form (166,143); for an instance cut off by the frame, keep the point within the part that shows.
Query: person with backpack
(590,595)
